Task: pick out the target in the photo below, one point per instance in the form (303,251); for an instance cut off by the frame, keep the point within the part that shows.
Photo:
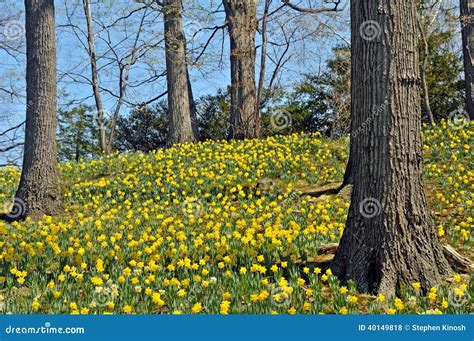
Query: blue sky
(308,55)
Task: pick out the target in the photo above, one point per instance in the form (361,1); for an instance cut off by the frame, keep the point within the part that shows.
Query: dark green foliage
(213,116)
(319,102)
(144,129)
(77,134)
(443,76)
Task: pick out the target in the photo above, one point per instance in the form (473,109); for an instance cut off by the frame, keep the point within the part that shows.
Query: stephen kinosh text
(438,328)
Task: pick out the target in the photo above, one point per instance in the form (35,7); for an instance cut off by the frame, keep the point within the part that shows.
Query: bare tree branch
(313,10)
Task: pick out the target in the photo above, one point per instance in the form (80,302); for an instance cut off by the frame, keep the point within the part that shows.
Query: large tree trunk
(39,188)
(95,78)
(242,24)
(389,240)
(179,106)
(467,24)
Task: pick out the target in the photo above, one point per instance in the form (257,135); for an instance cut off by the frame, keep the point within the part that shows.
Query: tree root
(326,254)
(328,189)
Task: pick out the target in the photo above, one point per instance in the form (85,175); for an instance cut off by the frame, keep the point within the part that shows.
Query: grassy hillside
(195,229)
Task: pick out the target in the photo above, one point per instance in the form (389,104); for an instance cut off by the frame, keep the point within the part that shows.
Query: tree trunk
(39,187)
(192,107)
(389,240)
(242,24)
(179,106)
(467,24)
(263,56)
(95,79)
(123,83)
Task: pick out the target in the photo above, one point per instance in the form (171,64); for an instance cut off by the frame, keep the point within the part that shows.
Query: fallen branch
(328,249)
(457,261)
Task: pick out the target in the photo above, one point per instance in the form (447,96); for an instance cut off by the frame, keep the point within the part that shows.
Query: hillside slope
(195,229)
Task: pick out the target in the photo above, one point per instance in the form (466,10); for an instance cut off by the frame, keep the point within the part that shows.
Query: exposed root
(458,262)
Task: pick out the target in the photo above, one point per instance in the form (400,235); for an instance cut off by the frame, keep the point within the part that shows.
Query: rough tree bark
(242,24)
(389,240)
(467,25)
(179,104)
(39,187)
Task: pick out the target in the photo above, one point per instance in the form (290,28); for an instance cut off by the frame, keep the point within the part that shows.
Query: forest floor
(219,227)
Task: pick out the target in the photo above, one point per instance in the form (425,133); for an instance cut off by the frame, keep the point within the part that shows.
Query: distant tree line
(317,103)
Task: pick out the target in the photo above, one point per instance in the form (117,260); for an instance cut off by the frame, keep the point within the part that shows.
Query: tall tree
(180,104)
(241,18)
(425,56)
(467,24)
(389,240)
(39,188)
(107,126)
(101,122)
(439,63)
